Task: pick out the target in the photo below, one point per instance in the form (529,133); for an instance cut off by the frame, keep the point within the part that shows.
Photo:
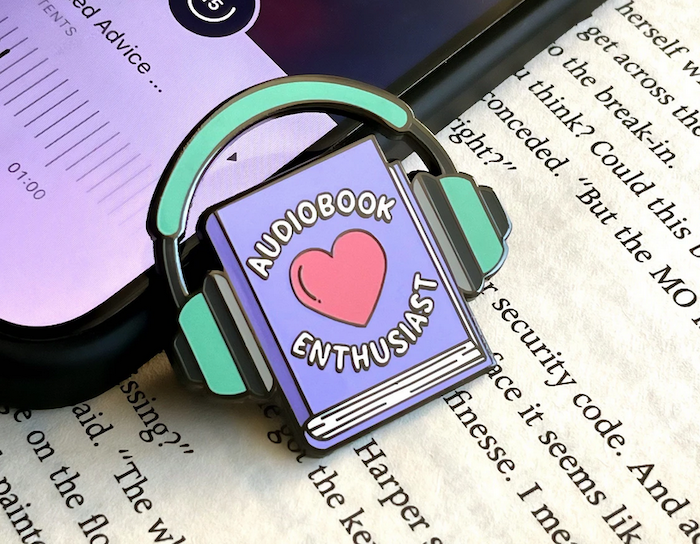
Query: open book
(586,431)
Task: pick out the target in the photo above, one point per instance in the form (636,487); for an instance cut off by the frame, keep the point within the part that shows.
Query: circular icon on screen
(215,18)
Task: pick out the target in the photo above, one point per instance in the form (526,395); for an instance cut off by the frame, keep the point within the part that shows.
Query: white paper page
(160,464)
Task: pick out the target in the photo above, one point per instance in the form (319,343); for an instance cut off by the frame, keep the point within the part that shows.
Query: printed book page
(586,432)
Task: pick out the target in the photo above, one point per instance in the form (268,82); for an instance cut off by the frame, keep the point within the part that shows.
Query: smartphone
(94,99)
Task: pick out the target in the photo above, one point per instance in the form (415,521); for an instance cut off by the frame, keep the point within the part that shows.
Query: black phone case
(46,367)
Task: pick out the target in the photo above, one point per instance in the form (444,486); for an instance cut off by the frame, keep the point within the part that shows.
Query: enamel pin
(342,289)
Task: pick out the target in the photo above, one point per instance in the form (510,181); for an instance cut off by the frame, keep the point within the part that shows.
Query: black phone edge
(48,367)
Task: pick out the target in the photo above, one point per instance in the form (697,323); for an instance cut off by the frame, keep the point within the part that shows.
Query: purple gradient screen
(94,103)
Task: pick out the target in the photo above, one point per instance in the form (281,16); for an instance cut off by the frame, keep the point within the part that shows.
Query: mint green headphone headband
(276,98)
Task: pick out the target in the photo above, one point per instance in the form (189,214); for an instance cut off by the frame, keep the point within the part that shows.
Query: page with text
(585,432)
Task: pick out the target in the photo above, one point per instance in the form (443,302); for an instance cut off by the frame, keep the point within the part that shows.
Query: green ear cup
(209,348)
(469,226)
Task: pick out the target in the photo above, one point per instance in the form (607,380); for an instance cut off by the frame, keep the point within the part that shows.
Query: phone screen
(95,97)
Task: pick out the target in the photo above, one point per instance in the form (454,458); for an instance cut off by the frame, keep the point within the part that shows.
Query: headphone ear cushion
(496,211)
(238,334)
(470,234)
(185,364)
(208,348)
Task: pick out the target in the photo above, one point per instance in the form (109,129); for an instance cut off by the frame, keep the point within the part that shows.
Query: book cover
(357,315)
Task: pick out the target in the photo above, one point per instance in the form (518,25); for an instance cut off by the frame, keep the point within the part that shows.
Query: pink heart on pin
(344,284)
